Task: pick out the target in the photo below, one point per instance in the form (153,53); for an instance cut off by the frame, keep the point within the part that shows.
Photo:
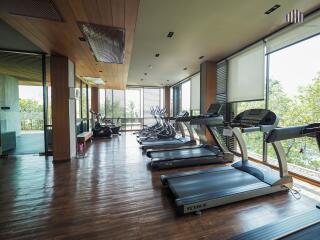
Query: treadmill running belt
(302,226)
(163,142)
(209,182)
(311,233)
(183,153)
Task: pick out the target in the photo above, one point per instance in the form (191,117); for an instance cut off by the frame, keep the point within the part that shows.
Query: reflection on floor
(112,194)
(29,143)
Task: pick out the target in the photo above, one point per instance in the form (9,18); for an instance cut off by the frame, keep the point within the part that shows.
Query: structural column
(167,99)
(208,89)
(95,99)
(208,85)
(62,72)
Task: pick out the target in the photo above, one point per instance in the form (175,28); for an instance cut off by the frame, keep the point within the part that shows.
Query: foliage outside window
(253,140)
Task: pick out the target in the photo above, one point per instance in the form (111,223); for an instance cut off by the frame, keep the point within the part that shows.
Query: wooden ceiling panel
(63,37)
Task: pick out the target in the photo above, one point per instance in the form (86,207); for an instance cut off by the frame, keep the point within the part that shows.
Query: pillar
(208,89)
(95,99)
(208,85)
(167,99)
(63,108)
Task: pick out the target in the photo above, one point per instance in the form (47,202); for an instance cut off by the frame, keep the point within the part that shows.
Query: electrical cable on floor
(295,192)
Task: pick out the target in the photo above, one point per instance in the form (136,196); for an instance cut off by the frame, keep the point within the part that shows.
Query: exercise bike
(100,130)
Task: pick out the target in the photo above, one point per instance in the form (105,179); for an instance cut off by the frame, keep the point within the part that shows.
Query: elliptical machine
(99,130)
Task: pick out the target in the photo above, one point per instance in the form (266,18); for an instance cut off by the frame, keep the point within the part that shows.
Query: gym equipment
(197,190)
(115,127)
(198,155)
(181,120)
(163,129)
(301,226)
(100,130)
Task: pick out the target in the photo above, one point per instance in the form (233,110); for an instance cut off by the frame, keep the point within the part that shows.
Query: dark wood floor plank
(112,194)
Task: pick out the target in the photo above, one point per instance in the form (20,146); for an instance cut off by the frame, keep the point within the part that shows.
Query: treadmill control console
(255,118)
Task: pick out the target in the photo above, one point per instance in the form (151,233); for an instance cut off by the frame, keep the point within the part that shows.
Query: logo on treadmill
(195,207)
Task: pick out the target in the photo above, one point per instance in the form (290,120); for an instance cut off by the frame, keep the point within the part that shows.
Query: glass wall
(293,93)
(130,107)
(151,99)
(102,102)
(22,103)
(185,96)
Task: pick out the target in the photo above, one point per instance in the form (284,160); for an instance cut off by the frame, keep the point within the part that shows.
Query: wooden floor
(111,194)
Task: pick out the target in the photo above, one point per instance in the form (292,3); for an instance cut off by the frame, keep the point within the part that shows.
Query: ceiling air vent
(106,43)
(44,9)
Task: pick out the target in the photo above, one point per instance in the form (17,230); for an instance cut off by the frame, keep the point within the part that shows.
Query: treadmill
(300,226)
(194,191)
(169,143)
(197,155)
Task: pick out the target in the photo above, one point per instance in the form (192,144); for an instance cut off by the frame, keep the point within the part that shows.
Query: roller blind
(195,92)
(246,74)
(295,33)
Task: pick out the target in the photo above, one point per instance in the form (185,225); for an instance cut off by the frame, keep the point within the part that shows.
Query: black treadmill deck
(196,152)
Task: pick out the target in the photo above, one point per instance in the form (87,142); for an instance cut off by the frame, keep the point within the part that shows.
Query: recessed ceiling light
(82,39)
(157,55)
(185,68)
(170,34)
(275,7)
(201,57)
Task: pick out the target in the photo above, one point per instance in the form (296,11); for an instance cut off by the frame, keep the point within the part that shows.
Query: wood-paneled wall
(60,108)
(208,88)
(63,37)
(95,99)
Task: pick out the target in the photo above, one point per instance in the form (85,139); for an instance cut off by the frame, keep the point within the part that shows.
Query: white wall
(9,97)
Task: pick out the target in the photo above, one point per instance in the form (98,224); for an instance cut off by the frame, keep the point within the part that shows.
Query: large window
(102,102)
(151,99)
(131,107)
(118,107)
(253,140)
(294,94)
(185,96)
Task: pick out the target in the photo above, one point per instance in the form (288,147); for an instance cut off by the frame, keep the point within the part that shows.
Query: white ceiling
(212,28)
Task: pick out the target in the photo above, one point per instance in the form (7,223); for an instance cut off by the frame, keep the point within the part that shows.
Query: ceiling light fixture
(170,34)
(275,7)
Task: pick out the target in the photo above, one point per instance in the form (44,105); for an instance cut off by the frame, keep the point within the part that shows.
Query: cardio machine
(196,155)
(197,190)
(301,226)
(186,139)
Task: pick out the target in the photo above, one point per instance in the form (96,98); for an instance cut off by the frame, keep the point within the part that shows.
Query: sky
(296,65)
(31,92)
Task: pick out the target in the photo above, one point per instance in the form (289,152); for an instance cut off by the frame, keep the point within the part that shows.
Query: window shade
(195,92)
(295,33)
(246,75)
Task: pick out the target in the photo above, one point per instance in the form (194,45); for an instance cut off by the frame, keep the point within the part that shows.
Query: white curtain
(295,33)
(195,92)
(246,74)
